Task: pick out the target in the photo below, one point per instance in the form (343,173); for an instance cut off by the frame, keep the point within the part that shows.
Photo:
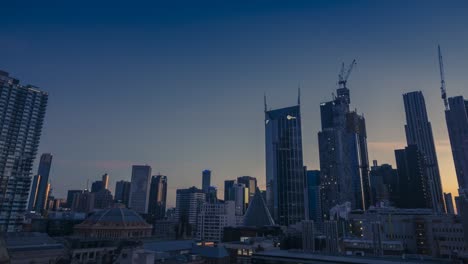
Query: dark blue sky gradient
(180,85)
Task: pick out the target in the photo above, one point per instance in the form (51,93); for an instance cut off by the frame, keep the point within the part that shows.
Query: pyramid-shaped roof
(258,214)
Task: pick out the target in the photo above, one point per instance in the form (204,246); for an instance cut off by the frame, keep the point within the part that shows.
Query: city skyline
(209,119)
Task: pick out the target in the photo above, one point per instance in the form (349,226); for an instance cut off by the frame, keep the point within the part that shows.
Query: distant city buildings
(70,197)
(158,197)
(384,184)
(419,132)
(285,179)
(83,202)
(139,188)
(23,108)
(449,208)
(250,183)
(212,220)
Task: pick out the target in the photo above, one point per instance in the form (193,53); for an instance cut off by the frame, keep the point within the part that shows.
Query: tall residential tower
(23,110)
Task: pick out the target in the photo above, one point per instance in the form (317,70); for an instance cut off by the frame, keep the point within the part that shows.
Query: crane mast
(342,78)
(443,91)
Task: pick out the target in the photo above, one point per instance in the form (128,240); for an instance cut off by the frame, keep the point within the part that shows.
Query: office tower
(23,109)
(449,203)
(241,198)
(70,195)
(97,186)
(103,199)
(249,182)
(383,181)
(212,220)
(206,180)
(122,192)
(139,188)
(212,194)
(413,184)
(83,202)
(158,196)
(332,237)
(43,170)
(228,190)
(105,181)
(419,132)
(313,195)
(188,204)
(33,192)
(344,162)
(257,214)
(284,165)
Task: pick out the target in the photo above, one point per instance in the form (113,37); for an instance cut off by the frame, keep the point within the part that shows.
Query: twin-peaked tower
(344,162)
(285,174)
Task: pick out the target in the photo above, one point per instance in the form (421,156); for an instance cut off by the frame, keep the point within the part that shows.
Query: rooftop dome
(114,222)
(115,216)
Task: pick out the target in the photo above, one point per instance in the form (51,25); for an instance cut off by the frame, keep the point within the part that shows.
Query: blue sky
(180,85)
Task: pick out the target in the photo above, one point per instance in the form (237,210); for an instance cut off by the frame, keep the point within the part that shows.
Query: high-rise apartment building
(344,162)
(158,196)
(285,179)
(139,188)
(419,132)
(122,192)
(206,180)
(23,109)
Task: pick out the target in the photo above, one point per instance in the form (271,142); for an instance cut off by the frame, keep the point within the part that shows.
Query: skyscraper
(158,196)
(413,185)
(105,181)
(241,198)
(33,192)
(313,195)
(188,204)
(206,180)
(44,169)
(284,165)
(228,190)
(419,132)
(122,192)
(344,162)
(249,182)
(23,109)
(139,188)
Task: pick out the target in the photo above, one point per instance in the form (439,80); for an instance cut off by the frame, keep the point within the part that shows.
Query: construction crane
(443,91)
(342,78)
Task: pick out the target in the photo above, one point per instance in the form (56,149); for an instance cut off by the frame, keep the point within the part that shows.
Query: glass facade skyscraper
(22,111)
(285,179)
(139,188)
(44,169)
(158,196)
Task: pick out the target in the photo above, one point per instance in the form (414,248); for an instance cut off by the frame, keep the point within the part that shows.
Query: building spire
(264,101)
